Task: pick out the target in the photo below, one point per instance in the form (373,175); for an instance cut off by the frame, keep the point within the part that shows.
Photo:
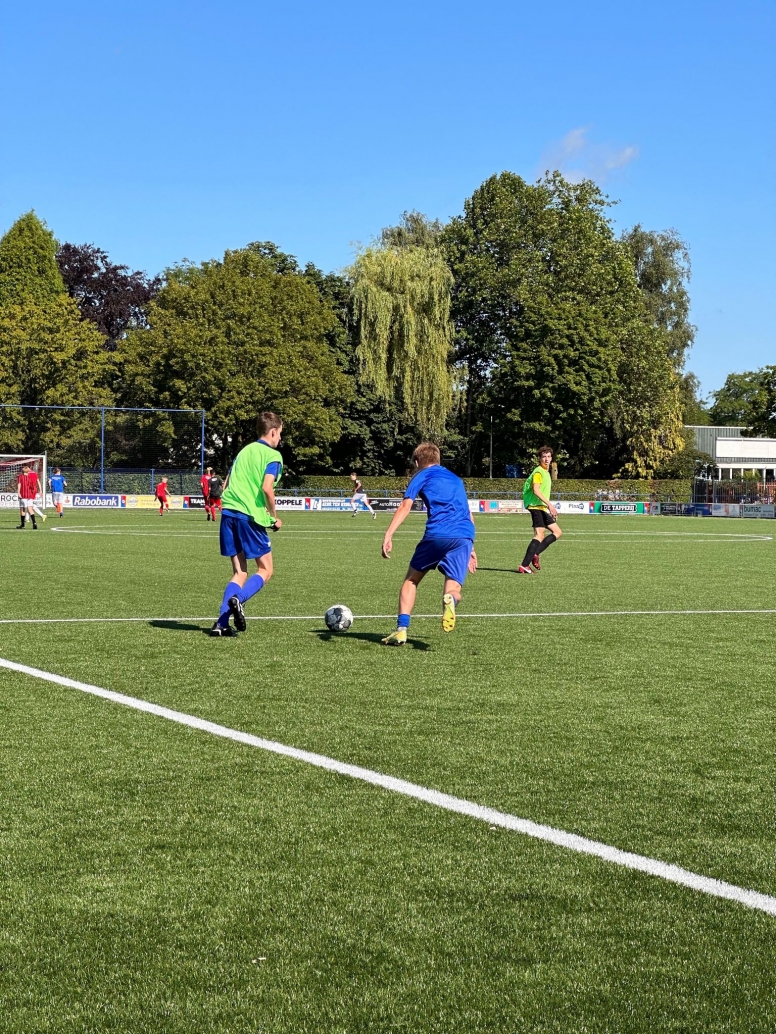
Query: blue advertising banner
(99,502)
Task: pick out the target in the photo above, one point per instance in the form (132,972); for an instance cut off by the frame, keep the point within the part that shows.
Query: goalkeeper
(248,511)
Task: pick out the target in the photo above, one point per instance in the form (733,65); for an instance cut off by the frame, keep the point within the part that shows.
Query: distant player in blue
(448,542)
(57,484)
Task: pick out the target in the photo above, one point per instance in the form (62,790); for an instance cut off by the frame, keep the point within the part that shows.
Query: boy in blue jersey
(448,541)
(57,484)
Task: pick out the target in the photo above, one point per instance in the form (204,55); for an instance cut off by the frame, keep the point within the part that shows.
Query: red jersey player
(27,488)
(204,483)
(161,497)
(215,490)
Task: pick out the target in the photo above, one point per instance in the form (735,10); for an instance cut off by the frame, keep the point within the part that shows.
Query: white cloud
(579,158)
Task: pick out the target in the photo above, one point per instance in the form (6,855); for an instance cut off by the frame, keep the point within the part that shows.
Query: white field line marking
(388,617)
(130,533)
(570,841)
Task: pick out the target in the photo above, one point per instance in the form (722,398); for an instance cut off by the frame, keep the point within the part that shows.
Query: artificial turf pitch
(156,878)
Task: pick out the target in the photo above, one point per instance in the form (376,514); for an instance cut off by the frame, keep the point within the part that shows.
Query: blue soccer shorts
(238,535)
(450,555)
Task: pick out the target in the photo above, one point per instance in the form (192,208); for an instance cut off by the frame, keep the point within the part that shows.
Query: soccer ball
(338,618)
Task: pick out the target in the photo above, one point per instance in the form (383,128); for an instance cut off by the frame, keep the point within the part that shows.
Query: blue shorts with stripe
(239,534)
(450,555)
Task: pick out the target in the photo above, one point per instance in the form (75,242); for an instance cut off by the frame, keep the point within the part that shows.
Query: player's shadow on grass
(503,570)
(368,637)
(178,626)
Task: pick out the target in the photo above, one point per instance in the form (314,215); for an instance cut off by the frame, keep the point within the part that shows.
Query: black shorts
(541,518)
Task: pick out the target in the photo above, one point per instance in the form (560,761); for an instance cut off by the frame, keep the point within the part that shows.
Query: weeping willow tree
(401,305)
(649,411)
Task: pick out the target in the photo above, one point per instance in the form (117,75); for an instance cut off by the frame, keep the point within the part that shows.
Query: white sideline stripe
(570,841)
(704,537)
(386,617)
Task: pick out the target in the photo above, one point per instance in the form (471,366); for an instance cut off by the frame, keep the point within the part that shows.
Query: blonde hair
(426,454)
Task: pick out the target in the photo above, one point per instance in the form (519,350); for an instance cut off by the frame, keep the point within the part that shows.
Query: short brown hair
(426,454)
(545,448)
(267,420)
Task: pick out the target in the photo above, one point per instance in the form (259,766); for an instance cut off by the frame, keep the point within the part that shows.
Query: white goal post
(11,467)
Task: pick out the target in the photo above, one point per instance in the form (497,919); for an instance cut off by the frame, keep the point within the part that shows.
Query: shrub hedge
(185,483)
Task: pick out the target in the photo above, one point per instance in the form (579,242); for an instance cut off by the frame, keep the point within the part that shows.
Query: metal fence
(130,481)
(746,490)
(105,440)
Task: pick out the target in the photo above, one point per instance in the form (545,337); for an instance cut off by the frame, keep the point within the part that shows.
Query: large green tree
(28,263)
(551,329)
(662,264)
(49,356)
(235,336)
(742,401)
(401,308)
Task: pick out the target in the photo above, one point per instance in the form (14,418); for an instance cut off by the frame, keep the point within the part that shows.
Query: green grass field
(157,878)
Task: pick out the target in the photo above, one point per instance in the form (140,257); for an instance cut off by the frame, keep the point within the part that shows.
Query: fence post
(102,450)
(202,446)
(152,480)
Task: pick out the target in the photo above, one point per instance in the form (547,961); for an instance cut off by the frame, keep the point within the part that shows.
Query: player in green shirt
(248,511)
(536,497)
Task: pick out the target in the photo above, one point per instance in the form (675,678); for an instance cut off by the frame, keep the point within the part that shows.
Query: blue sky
(169,130)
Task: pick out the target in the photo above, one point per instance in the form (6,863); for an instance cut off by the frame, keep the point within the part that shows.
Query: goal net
(11,467)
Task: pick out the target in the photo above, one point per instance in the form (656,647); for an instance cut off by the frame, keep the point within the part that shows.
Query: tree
(110,296)
(414,230)
(741,401)
(28,266)
(662,264)
(237,336)
(401,308)
(373,439)
(694,410)
(544,301)
(555,340)
(49,356)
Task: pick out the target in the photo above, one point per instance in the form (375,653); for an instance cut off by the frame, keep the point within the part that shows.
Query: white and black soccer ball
(338,618)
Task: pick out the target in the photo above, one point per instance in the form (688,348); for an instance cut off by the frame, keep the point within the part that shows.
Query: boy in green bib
(536,497)
(248,512)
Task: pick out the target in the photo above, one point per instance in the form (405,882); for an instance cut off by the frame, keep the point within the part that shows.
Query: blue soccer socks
(403,621)
(243,593)
(254,584)
(232,589)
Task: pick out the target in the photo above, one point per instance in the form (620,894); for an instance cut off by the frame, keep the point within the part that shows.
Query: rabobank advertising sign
(99,502)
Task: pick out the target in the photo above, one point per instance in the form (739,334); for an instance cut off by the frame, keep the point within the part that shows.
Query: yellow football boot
(397,638)
(448,613)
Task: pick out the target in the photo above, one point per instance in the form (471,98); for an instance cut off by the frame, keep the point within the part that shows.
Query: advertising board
(571,506)
(725,509)
(329,504)
(150,502)
(681,509)
(291,502)
(10,500)
(98,502)
(389,504)
(757,509)
(141,502)
(617,508)
(190,502)
(510,506)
